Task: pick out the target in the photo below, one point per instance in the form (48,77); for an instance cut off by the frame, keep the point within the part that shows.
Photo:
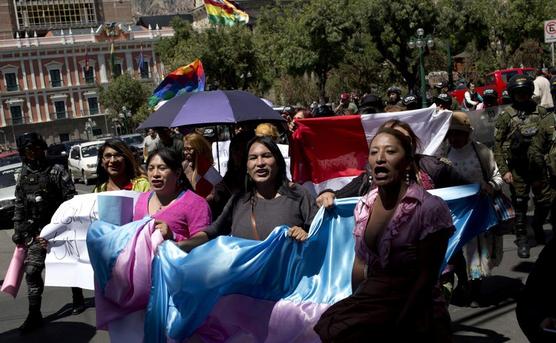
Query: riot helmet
(520,82)
(411,102)
(29,139)
(490,97)
(394,89)
(444,100)
(323,110)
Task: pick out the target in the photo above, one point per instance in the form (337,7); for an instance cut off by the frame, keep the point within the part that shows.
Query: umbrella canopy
(211,107)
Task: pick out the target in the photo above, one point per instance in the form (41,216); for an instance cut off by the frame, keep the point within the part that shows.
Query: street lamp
(89,125)
(419,42)
(125,114)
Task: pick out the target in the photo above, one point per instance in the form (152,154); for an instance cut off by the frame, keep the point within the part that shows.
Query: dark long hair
(173,160)
(393,123)
(235,172)
(132,168)
(282,183)
(407,146)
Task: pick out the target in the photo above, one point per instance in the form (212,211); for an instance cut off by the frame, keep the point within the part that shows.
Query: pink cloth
(186,216)
(14,274)
(418,214)
(239,318)
(129,287)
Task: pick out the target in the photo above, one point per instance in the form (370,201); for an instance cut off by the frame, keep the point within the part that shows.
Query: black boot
(34,318)
(521,227)
(78,301)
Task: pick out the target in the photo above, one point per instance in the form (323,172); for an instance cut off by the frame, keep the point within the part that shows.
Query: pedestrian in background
(149,143)
(476,162)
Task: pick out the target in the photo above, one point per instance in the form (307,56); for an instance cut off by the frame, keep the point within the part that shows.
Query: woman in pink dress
(179,212)
(401,235)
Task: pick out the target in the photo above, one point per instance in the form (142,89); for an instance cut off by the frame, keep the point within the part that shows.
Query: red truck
(496,80)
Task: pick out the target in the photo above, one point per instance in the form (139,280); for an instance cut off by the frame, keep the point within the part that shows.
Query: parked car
(135,143)
(496,80)
(8,178)
(82,161)
(9,157)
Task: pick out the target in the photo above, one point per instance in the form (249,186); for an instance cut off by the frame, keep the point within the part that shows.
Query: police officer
(515,129)
(393,97)
(543,163)
(40,189)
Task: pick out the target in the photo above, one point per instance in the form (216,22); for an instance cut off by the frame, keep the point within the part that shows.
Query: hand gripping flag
(186,79)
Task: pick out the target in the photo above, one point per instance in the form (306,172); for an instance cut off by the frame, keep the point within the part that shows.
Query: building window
(97,132)
(117,70)
(60,107)
(89,74)
(145,70)
(55,78)
(60,13)
(11,81)
(17,114)
(93,105)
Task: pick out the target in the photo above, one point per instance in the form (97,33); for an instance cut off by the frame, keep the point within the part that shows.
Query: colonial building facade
(50,84)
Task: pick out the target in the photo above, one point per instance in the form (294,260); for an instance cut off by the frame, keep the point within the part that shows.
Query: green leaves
(125,91)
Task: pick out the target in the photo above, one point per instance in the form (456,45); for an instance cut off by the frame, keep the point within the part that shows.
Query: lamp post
(420,41)
(124,115)
(89,125)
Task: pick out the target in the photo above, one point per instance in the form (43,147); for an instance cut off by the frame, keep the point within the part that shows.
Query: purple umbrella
(211,107)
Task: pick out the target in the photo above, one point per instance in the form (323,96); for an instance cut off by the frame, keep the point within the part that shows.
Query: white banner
(67,261)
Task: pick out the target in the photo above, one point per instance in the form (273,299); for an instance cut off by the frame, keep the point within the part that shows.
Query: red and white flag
(329,152)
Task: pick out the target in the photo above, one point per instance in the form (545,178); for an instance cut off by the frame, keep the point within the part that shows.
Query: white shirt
(149,144)
(542,92)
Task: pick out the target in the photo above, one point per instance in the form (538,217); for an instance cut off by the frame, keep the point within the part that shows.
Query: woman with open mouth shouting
(269,200)
(401,234)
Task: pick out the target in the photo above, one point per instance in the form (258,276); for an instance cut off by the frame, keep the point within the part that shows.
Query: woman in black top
(269,200)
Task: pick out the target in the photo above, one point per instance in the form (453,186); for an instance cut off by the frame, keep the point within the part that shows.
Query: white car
(82,161)
(8,178)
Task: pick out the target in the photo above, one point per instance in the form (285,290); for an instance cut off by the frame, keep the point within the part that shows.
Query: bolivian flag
(225,12)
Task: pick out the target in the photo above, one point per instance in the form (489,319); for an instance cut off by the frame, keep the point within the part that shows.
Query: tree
(125,91)
(391,24)
(310,37)
(227,53)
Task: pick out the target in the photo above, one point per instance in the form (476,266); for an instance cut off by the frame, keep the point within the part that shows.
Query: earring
(370,178)
(407,178)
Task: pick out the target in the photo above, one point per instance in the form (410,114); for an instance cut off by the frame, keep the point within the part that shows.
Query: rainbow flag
(225,12)
(186,79)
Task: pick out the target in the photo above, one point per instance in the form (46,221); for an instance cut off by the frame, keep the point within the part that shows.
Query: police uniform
(514,132)
(41,187)
(543,163)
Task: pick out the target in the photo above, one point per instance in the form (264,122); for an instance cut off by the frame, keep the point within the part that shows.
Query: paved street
(495,323)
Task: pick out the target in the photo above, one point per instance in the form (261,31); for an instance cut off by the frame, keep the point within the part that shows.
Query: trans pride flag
(225,12)
(233,289)
(186,79)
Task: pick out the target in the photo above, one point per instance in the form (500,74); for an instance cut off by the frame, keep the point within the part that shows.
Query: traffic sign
(550,31)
